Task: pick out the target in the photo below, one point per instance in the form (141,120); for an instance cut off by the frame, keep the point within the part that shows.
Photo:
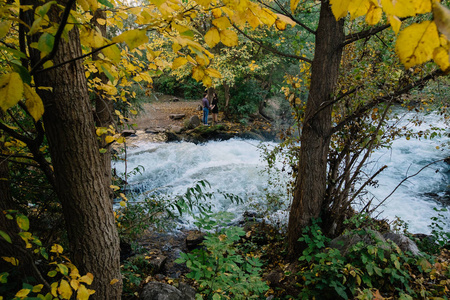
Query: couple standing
(213,107)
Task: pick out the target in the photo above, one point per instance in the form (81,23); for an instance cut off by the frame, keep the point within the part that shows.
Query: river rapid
(235,166)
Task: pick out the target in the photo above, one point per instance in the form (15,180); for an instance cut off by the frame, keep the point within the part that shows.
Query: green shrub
(220,268)
(245,98)
(367,269)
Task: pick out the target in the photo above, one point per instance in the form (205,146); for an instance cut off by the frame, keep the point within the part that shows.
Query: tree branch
(350,38)
(274,51)
(406,178)
(389,97)
(74,59)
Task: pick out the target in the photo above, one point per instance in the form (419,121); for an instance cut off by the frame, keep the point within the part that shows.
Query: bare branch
(418,83)
(406,178)
(273,50)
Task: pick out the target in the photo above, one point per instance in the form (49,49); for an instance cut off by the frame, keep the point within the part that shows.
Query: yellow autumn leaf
(75,284)
(64,289)
(400,8)
(120,140)
(442,19)
(88,278)
(339,8)
(109,139)
(113,53)
(23,293)
(57,249)
(4,28)
(37,288)
(11,90)
(12,260)
(229,38)
(204,3)
(267,17)
(221,23)
(396,23)
(441,58)
(280,24)
(115,187)
(91,38)
(114,281)
(178,62)
(123,203)
(251,18)
(294,4)
(212,37)
(133,38)
(83,293)
(198,73)
(101,21)
(374,14)
(33,102)
(213,73)
(286,20)
(216,12)
(416,43)
(358,8)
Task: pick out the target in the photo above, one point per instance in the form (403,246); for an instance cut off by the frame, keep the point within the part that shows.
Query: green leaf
(45,43)
(106,3)
(5,236)
(23,72)
(23,222)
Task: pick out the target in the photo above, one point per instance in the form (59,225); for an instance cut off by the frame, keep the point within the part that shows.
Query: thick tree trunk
(310,185)
(81,184)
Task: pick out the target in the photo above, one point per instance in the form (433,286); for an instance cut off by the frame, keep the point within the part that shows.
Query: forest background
(68,73)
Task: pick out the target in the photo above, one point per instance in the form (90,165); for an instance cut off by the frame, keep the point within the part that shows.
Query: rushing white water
(235,166)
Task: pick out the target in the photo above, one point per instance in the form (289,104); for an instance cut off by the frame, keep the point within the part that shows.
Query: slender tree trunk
(81,184)
(311,185)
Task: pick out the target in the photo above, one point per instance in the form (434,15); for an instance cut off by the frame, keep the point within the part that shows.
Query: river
(235,166)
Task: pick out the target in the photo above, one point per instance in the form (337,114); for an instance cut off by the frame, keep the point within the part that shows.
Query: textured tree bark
(81,184)
(310,187)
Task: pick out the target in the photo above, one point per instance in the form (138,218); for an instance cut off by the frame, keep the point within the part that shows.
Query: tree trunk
(310,187)
(81,184)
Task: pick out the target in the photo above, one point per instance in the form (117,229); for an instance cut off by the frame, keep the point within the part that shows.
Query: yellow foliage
(12,260)
(64,289)
(133,38)
(441,57)
(373,15)
(57,249)
(88,278)
(229,38)
(178,62)
(396,23)
(416,43)
(11,90)
(212,37)
(4,28)
(221,23)
(33,102)
(23,293)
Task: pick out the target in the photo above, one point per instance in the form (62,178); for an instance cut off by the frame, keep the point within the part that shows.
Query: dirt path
(157,113)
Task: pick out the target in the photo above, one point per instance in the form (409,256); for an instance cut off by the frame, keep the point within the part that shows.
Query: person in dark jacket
(206,108)
(215,108)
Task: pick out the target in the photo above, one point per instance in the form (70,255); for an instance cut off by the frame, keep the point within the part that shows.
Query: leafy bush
(245,98)
(187,88)
(219,268)
(365,271)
